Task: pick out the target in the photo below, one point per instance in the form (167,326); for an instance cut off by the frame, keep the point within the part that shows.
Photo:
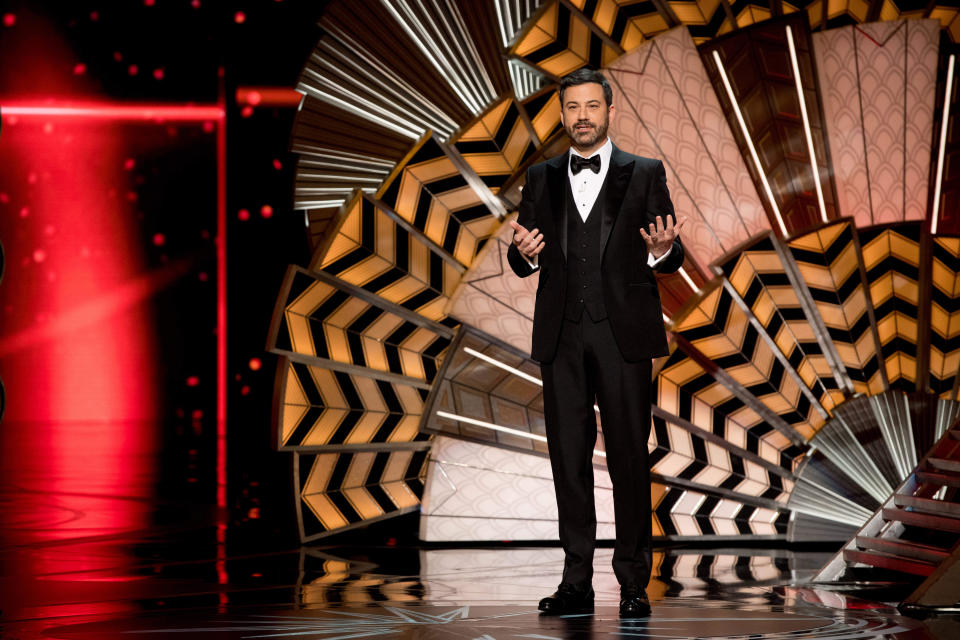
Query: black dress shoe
(633,602)
(568,599)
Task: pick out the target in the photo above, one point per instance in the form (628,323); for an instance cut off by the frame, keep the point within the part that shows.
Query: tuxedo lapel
(618,177)
(557,187)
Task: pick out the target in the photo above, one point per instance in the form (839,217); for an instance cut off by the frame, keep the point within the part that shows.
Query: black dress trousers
(588,366)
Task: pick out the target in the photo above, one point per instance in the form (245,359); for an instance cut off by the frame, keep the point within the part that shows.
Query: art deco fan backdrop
(814,326)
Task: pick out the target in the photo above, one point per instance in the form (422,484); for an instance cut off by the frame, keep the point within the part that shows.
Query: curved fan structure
(815,326)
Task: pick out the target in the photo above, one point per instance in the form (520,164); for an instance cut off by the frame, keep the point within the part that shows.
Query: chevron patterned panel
(703,18)
(880,114)
(496,144)
(945,317)
(944,12)
(339,491)
(627,22)
(681,513)
(683,452)
(840,13)
(683,388)
(429,193)
(325,319)
(666,110)
(891,256)
(759,69)
(558,41)
(371,250)
(322,407)
(543,109)
(829,262)
(760,278)
(721,330)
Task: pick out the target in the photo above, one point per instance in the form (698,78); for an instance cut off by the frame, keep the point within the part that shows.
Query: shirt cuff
(653,262)
(533,263)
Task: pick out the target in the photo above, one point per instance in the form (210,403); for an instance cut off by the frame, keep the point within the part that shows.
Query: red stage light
(9,19)
(247,111)
(129,164)
(277,164)
(255,364)
(268,97)
(158,74)
(193,381)
(243,214)
(159,239)
(113,111)
(79,69)
(133,69)
(239,17)
(266,211)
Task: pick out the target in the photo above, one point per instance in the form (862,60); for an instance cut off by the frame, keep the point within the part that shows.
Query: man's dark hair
(584,75)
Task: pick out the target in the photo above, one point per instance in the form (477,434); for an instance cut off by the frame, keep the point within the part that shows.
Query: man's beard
(590,137)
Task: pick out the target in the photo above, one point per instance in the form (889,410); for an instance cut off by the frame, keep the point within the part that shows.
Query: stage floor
(96,547)
(405,592)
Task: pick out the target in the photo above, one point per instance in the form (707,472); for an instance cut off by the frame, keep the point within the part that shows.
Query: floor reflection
(102,563)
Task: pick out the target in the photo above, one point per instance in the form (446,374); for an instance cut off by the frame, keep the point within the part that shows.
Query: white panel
(478,492)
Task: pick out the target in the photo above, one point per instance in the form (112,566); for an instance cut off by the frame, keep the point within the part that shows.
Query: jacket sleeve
(527,218)
(659,204)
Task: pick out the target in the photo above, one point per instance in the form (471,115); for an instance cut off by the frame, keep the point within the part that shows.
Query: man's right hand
(529,243)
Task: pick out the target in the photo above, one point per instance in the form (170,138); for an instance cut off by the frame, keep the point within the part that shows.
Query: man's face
(585,116)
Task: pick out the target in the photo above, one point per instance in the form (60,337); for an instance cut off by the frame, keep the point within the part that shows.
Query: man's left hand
(661,237)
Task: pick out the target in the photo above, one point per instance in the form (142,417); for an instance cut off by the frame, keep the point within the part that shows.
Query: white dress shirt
(586,186)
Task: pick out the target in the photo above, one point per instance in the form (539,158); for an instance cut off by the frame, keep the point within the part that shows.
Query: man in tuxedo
(596,223)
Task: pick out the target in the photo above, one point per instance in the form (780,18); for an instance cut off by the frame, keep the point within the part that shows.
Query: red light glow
(113,111)
(255,364)
(9,19)
(268,97)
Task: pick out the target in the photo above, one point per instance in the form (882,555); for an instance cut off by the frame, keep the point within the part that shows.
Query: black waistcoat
(583,260)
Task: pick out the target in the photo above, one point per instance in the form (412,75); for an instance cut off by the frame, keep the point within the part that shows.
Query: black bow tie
(578,164)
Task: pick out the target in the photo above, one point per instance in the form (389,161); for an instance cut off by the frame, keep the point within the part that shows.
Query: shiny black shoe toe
(568,598)
(634,603)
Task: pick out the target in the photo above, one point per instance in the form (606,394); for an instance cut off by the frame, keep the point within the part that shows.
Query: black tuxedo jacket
(636,192)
